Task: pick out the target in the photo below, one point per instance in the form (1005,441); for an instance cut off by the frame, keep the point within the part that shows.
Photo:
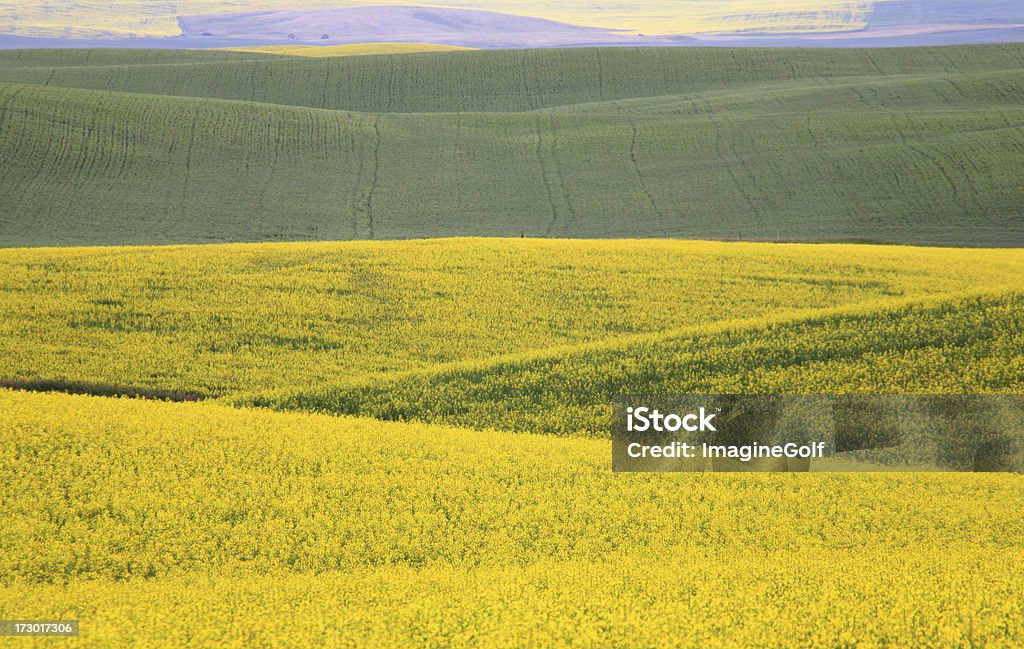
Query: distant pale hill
(485,29)
(504,23)
(102,18)
(357,49)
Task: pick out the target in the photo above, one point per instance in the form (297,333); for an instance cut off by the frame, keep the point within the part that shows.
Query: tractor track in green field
(560,175)
(252,84)
(732,172)
(9,102)
(268,183)
(966,175)
(375,177)
(640,178)
(128,150)
(539,150)
(457,161)
(860,146)
(954,190)
(363,199)
(326,86)
(357,180)
(188,162)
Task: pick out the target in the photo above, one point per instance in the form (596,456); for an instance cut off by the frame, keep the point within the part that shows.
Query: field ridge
(738,326)
(570,393)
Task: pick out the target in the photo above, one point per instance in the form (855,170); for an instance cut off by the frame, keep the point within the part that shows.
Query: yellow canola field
(166,524)
(225,319)
(96,18)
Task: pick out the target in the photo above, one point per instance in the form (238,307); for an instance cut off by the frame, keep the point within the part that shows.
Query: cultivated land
(438,469)
(524,335)
(362,49)
(968,344)
(917,145)
(121,18)
(194,523)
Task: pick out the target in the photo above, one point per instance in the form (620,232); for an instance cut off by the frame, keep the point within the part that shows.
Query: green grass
(920,145)
(484,81)
(14,62)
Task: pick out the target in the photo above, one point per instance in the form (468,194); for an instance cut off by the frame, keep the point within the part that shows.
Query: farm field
(914,145)
(301,316)
(322,350)
(361,49)
(488,538)
(499,81)
(968,344)
(124,20)
(92,18)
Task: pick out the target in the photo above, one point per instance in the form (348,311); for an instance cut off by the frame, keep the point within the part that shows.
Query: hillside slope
(221,519)
(967,344)
(482,81)
(126,18)
(225,320)
(358,49)
(762,147)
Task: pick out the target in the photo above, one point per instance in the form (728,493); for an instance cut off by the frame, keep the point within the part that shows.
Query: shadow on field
(100,389)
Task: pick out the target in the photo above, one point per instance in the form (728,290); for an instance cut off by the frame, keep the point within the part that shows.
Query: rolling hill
(494,24)
(898,145)
(124,18)
(330,26)
(179,524)
(966,344)
(486,81)
(363,49)
(411,323)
